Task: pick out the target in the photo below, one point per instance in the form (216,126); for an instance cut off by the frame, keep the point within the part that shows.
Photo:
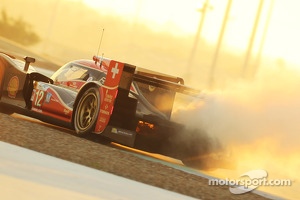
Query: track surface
(63,144)
(38,176)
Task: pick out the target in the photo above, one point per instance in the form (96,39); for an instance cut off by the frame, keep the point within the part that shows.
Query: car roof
(94,65)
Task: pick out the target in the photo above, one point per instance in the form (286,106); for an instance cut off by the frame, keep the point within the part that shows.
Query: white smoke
(258,116)
(268,106)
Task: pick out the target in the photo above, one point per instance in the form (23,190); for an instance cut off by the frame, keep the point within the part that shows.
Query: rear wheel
(86,112)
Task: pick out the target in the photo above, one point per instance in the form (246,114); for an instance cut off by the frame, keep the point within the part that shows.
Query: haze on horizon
(160,35)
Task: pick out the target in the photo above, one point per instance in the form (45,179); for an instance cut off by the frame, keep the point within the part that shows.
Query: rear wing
(157,82)
(154,74)
(131,73)
(157,97)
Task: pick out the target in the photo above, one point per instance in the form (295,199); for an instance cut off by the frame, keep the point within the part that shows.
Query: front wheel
(86,112)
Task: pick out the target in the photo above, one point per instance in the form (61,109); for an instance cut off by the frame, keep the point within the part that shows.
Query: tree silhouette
(17,30)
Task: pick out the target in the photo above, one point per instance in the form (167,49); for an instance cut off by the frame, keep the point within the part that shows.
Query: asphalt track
(167,161)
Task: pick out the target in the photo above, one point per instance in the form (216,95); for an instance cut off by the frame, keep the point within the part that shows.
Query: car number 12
(39,97)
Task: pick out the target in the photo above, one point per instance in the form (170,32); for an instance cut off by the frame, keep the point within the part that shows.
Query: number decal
(39,96)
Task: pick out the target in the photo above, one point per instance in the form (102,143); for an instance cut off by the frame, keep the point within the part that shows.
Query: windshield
(72,71)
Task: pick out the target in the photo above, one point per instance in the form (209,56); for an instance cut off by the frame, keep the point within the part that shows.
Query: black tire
(86,112)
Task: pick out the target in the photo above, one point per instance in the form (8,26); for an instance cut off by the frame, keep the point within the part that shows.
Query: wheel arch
(79,95)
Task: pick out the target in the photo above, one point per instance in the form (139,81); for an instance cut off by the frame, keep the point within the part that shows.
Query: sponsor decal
(108,98)
(114,130)
(66,111)
(32,96)
(102,119)
(37,110)
(89,79)
(121,132)
(102,80)
(48,97)
(105,112)
(13,87)
(42,87)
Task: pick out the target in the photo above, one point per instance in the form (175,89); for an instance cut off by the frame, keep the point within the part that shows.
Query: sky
(161,34)
(182,17)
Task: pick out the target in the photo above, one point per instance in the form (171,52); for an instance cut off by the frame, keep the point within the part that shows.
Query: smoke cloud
(258,121)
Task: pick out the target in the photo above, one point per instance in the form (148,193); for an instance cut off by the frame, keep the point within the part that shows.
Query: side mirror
(28,60)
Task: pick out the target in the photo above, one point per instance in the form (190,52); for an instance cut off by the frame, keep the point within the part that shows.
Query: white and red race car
(116,100)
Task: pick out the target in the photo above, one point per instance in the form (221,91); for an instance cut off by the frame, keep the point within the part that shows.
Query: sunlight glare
(160,15)
(182,17)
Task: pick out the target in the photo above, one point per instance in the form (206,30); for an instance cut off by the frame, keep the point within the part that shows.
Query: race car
(118,101)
